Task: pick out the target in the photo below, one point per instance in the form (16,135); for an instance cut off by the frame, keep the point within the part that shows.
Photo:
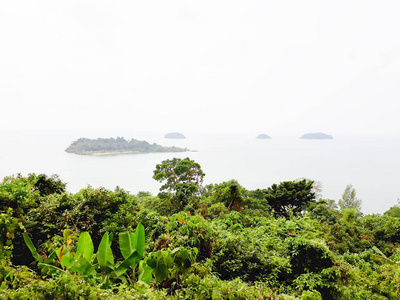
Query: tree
(349,199)
(230,193)
(47,185)
(184,176)
(290,195)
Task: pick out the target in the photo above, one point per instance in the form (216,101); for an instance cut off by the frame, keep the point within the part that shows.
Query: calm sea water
(370,164)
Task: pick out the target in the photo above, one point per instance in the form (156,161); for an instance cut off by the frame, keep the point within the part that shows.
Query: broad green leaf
(67,260)
(152,263)
(130,242)
(127,264)
(145,272)
(140,239)
(105,257)
(160,262)
(127,244)
(32,248)
(161,272)
(84,267)
(85,247)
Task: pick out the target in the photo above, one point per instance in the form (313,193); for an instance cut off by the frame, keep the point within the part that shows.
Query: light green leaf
(127,244)
(67,260)
(84,267)
(85,247)
(105,257)
(140,239)
(130,242)
(145,272)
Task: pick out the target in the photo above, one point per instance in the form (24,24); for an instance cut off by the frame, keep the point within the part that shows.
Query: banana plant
(132,246)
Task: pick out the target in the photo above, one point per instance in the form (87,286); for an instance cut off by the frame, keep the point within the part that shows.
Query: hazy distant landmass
(104,146)
(174,135)
(263,136)
(317,136)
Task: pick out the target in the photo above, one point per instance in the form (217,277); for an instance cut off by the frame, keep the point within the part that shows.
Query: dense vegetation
(190,241)
(118,145)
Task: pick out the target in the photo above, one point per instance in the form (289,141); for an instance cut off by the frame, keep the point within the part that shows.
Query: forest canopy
(218,241)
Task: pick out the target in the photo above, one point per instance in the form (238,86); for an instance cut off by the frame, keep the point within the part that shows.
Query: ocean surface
(370,163)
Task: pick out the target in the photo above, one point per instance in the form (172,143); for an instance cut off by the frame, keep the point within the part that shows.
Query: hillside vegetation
(191,241)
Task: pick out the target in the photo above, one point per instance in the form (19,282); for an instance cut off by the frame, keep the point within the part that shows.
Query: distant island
(263,136)
(317,136)
(174,135)
(105,146)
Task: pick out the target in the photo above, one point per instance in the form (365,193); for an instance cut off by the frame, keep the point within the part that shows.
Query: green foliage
(220,242)
(185,230)
(92,210)
(251,256)
(8,227)
(25,286)
(324,211)
(394,211)
(308,255)
(47,185)
(170,264)
(211,287)
(18,193)
(229,193)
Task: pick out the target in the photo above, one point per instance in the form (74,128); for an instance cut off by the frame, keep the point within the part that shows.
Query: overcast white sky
(253,65)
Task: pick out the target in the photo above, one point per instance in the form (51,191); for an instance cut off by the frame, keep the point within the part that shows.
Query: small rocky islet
(316,136)
(174,135)
(263,136)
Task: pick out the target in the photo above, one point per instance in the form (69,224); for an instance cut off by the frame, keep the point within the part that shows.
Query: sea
(371,164)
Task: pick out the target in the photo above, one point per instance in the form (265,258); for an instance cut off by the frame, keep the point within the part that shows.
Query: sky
(271,67)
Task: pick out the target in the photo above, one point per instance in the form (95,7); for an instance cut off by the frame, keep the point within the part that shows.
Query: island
(112,146)
(174,135)
(263,136)
(317,136)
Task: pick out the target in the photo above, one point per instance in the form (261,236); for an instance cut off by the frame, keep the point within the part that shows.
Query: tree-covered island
(104,146)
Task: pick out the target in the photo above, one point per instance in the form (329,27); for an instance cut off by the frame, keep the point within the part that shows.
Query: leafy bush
(185,230)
